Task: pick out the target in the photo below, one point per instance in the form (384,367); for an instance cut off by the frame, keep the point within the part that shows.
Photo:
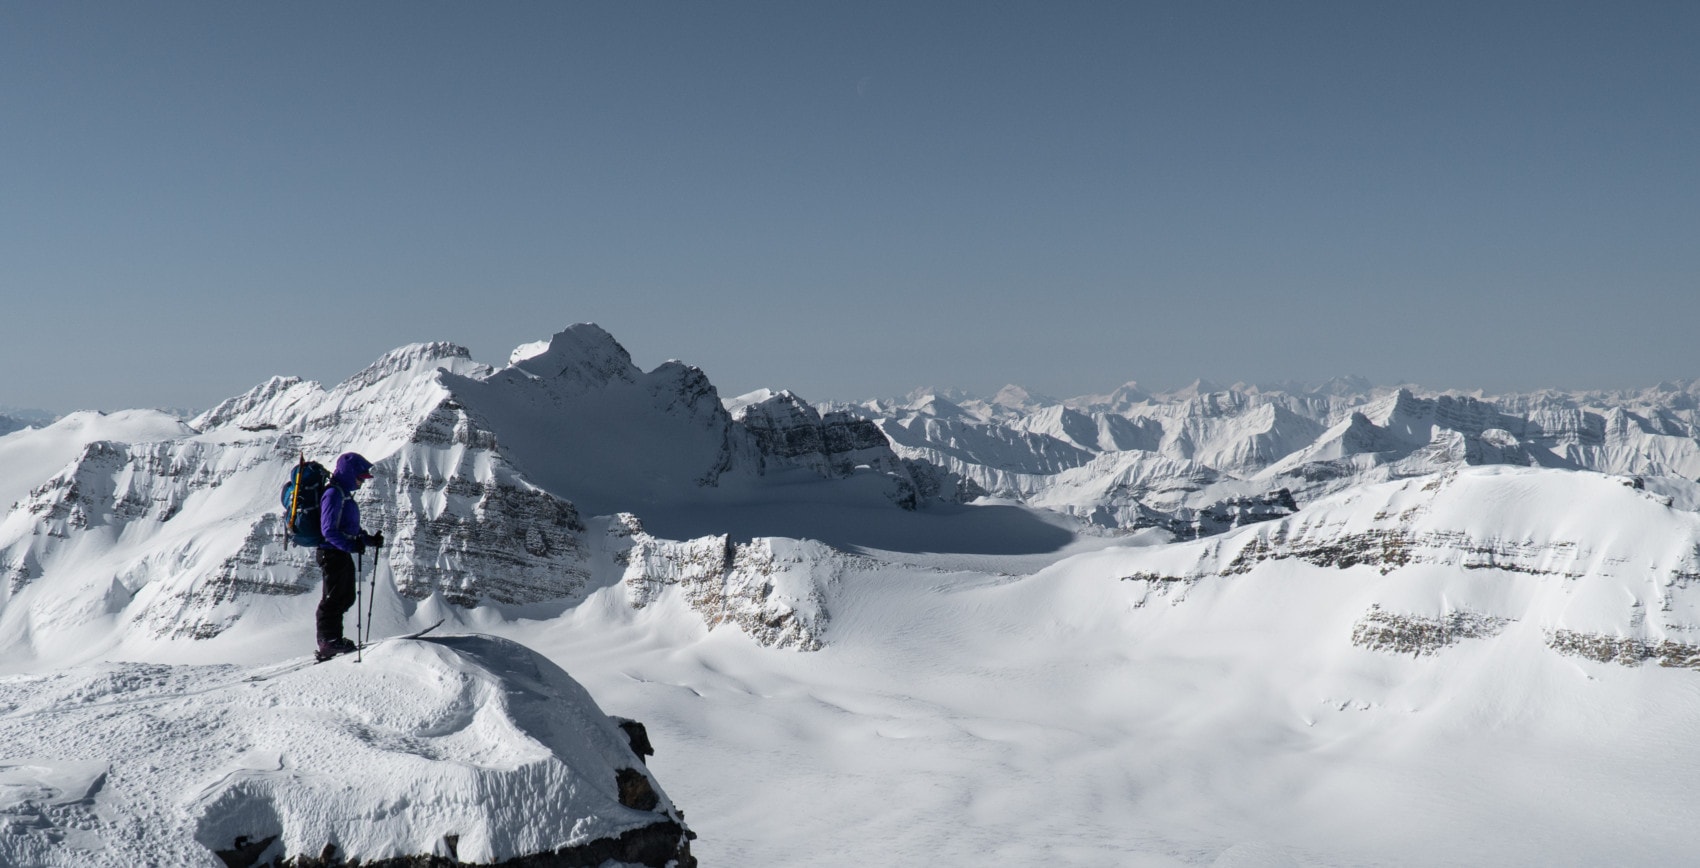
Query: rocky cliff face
(789,434)
(772,589)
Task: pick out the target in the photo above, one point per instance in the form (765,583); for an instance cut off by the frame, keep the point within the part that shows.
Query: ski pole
(372,599)
(361,565)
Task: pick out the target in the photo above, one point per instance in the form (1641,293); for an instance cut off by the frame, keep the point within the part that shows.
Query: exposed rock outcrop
(772,589)
(1418,635)
(1624,650)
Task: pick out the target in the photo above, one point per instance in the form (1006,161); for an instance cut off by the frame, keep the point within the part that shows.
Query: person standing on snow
(339,521)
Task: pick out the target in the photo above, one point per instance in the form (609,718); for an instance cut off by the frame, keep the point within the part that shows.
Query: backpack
(301,503)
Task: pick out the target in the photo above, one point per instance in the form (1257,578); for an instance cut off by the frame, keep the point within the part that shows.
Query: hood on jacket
(350,466)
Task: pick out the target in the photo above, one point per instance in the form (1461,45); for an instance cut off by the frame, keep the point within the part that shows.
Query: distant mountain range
(1186,459)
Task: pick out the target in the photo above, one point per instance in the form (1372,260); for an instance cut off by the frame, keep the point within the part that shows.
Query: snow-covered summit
(465,748)
(580,357)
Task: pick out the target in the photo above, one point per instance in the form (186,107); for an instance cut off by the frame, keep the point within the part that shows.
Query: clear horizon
(852,202)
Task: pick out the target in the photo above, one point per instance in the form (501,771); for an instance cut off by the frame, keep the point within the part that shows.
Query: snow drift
(465,747)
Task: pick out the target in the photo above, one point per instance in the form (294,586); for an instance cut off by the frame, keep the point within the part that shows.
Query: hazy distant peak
(953,395)
(1129,393)
(1018,398)
(936,406)
(1346,386)
(1195,389)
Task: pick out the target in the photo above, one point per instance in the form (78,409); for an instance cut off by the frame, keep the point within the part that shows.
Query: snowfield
(1457,641)
(1235,715)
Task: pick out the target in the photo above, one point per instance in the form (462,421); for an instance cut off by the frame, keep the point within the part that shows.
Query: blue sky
(850,200)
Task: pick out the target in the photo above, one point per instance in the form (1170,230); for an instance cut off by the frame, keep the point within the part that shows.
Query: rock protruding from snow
(772,589)
(459,749)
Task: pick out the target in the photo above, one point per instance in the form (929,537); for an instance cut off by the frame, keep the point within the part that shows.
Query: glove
(377,540)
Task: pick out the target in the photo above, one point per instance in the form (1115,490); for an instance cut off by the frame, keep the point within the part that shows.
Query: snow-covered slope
(464,747)
(1484,667)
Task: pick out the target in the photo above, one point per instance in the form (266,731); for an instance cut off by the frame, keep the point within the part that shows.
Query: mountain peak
(407,358)
(936,406)
(1017,398)
(585,353)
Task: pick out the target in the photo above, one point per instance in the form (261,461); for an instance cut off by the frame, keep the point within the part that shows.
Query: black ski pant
(339,594)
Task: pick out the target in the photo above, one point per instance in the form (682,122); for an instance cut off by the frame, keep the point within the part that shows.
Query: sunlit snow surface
(1071,716)
(468,745)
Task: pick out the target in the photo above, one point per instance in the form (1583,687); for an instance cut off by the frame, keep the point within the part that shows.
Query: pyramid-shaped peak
(582,351)
(1018,398)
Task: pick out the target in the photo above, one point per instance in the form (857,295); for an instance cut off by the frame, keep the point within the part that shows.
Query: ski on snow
(315,659)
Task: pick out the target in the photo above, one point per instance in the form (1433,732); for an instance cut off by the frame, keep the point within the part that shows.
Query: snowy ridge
(440,739)
(1583,556)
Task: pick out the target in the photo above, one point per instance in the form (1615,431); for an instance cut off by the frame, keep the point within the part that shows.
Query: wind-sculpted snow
(464,748)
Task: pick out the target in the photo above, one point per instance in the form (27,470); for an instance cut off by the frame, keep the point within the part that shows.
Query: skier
(339,519)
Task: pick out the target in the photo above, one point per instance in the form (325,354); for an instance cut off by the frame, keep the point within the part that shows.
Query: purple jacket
(339,515)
